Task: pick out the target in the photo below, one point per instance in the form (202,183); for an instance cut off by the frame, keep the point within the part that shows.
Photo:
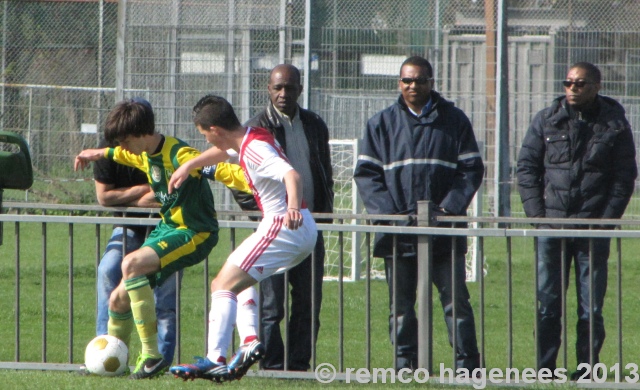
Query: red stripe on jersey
(264,135)
(265,241)
(260,134)
(251,155)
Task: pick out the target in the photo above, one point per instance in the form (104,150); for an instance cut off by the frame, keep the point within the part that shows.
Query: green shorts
(178,249)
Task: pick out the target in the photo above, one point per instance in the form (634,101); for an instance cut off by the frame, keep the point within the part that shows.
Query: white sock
(224,305)
(247,317)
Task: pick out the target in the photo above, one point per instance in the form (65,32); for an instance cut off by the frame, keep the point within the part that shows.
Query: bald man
(305,139)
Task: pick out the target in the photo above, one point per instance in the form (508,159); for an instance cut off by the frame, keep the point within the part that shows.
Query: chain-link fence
(65,63)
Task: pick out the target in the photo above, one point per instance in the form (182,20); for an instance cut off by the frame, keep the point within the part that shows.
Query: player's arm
(86,156)
(139,195)
(293,183)
(230,175)
(210,156)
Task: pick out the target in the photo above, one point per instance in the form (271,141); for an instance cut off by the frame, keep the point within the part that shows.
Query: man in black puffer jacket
(577,161)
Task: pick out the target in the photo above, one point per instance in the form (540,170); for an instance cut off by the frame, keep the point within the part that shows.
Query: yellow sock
(144,314)
(120,325)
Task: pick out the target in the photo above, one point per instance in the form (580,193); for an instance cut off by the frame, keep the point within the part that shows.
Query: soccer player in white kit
(285,236)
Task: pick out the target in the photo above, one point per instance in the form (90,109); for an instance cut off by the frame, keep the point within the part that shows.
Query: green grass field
(328,349)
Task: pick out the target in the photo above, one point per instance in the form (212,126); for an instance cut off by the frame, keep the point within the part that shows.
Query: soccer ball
(106,356)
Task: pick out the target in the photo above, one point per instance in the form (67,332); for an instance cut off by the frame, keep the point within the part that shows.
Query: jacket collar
(273,115)
(436,99)
(609,108)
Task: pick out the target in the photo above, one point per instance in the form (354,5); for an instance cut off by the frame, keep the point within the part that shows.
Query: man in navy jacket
(422,148)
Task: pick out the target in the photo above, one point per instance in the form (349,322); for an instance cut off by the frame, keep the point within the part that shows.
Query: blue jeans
(110,275)
(550,296)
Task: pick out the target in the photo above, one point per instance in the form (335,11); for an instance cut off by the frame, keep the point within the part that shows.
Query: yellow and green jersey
(191,206)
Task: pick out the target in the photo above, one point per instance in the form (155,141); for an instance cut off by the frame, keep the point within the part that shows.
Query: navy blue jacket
(577,167)
(404,159)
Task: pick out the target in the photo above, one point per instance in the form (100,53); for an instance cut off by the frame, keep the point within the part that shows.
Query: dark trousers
(550,298)
(272,291)
(407,323)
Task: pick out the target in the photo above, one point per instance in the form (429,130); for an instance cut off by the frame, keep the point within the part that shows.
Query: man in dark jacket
(577,161)
(305,139)
(422,148)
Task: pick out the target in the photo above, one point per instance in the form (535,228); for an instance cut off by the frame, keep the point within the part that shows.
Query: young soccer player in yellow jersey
(187,232)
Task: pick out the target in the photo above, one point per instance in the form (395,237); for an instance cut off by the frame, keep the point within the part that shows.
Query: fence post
(425,303)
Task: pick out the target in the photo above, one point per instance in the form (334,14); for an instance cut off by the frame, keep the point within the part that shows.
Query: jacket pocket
(600,148)
(558,148)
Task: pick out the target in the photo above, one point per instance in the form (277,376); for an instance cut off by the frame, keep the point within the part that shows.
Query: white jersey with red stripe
(273,248)
(265,164)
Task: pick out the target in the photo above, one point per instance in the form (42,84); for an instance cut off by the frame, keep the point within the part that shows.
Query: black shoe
(580,374)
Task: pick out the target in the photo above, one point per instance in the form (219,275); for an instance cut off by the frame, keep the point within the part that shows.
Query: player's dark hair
(214,110)
(129,118)
(592,71)
(418,61)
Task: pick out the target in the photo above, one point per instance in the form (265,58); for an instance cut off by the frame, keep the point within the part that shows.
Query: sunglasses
(418,81)
(579,83)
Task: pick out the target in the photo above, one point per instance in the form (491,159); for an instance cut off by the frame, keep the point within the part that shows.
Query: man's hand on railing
(439,212)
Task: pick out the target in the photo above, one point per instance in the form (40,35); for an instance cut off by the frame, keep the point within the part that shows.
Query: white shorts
(273,248)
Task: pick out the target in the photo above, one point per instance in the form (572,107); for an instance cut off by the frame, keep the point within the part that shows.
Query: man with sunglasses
(421,148)
(577,161)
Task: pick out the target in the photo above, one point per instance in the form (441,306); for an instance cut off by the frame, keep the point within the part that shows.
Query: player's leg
(108,278)
(251,349)
(247,315)
(178,249)
(110,271)
(120,322)
(273,248)
(222,316)
(166,251)
(135,268)
(263,253)
(226,287)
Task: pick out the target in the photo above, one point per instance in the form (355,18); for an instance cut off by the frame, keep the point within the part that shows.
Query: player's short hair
(212,110)
(418,61)
(592,71)
(131,117)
